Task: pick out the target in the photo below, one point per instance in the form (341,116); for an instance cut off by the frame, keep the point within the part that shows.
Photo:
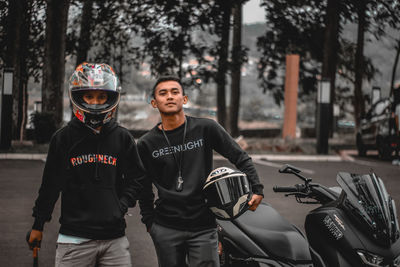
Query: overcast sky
(252,12)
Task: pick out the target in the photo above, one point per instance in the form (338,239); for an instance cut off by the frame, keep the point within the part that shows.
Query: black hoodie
(99,176)
(186,210)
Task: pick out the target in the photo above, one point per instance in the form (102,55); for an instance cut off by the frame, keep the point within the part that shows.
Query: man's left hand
(254,202)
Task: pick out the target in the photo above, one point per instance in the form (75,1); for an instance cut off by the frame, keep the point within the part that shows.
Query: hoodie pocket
(97,206)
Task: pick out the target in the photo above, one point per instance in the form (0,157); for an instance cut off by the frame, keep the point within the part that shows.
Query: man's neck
(170,122)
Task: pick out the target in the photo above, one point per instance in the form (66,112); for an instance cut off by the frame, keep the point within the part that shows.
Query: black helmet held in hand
(227,193)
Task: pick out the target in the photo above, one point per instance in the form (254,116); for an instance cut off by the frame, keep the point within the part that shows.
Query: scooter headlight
(370,259)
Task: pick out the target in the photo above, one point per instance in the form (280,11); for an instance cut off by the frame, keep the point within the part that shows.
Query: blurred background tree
(313,29)
(22,40)
(201,41)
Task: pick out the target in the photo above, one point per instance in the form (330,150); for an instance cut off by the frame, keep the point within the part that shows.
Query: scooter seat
(274,234)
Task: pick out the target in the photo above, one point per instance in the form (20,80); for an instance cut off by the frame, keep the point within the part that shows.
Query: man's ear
(153,103)
(185,99)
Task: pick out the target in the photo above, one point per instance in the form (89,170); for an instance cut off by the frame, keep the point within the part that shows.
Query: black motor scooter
(356,225)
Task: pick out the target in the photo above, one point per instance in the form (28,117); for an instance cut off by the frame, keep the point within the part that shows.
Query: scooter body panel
(334,236)
(356,226)
(237,241)
(270,234)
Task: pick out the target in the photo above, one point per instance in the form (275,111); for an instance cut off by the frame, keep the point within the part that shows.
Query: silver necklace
(179,180)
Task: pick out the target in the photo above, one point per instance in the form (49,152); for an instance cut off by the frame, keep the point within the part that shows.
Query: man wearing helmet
(95,165)
(178,156)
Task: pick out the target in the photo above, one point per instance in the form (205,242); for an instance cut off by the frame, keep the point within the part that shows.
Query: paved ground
(20,180)
(19,183)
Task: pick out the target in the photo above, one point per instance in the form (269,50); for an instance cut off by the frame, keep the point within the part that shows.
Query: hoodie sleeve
(146,198)
(50,188)
(224,144)
(133,176)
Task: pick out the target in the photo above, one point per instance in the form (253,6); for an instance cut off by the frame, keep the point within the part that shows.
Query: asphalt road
(20,180)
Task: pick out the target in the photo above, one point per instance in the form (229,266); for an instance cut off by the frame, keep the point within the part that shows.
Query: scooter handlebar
(285,189)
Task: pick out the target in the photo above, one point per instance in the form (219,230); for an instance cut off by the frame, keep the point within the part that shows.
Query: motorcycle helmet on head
(94,76)
(227,193)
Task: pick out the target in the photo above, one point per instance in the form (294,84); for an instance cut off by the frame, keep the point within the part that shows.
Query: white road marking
(347,157)
(276,165)
(279,157)
(23,156)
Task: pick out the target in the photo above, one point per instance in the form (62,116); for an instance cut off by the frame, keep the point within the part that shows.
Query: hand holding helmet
(254,202)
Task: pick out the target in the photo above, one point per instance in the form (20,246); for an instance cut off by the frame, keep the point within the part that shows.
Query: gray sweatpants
(113,252)
(173,246)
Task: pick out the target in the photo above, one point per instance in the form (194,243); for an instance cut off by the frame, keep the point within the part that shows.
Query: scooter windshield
(367,199)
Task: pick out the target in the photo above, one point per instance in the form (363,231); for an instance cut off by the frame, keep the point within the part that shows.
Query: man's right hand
(35,238)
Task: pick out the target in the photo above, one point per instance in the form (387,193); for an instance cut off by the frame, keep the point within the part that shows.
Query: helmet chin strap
(93,129)
(94,122)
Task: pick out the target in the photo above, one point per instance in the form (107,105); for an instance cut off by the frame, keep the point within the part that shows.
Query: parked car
(377,130)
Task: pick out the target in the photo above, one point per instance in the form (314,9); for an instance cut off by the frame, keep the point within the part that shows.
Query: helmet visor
(77,97)
(227,190)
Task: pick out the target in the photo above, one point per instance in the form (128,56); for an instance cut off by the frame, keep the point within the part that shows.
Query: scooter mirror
(287,168)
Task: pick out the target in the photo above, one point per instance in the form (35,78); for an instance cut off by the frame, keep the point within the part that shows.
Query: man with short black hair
(178,156)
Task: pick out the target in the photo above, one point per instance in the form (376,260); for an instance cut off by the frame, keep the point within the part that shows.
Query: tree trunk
(331,44)
(223,48)
(13,28)
(24,112)
(18,24)
(23,73)
(84,42)
(84,36)
(236,67)
(180,58)
(396,61)
(359,105)
(54,59)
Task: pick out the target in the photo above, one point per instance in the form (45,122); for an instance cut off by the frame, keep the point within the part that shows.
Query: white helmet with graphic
(227,193)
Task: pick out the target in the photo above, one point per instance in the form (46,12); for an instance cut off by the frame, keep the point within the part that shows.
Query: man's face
(95,97)
(168,97)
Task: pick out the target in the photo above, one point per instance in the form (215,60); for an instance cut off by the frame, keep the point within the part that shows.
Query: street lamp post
(6,109)
(323,115)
